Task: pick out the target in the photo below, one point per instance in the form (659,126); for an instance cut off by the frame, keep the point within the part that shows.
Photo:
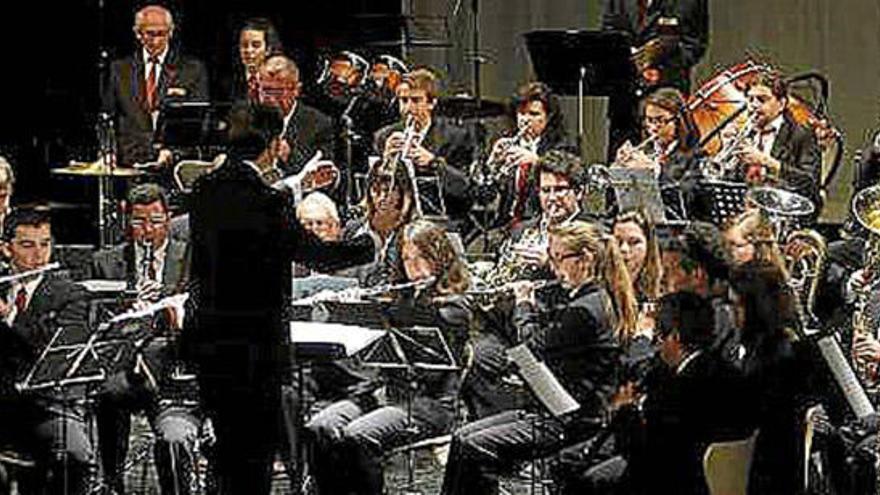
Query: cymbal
(96,169)
(465,107)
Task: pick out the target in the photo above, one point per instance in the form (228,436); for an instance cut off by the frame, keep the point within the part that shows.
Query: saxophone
(866,210)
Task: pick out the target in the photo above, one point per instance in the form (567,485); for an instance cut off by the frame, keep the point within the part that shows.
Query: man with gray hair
(142,82)
(305,130)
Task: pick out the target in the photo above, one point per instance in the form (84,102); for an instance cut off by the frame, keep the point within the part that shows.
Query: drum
(722,99)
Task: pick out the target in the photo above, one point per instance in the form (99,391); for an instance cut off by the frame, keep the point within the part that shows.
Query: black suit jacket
(125,98)
(244,237)
(453,147)
(684,50)
(576,340)
(56,303)
(117,263)
(684,413)
(796,148)
(309,130)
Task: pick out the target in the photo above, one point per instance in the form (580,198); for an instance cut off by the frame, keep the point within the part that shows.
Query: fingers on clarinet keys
(866,347)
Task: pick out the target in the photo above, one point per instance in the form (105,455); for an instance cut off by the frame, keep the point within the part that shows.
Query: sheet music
(175,302)
(845,377)
(542,381)
(352,338)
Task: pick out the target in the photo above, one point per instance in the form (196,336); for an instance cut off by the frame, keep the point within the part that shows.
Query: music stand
(579,63)
(637,189)
(413,351)
(718,201)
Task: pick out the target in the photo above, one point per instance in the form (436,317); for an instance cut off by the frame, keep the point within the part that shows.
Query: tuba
(866,209)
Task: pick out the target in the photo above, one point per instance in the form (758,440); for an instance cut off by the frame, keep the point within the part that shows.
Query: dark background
(50,52)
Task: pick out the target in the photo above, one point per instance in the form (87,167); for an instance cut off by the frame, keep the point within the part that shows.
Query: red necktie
(151,84)
(21,300)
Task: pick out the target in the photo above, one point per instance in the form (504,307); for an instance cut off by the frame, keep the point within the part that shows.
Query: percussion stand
(350,136)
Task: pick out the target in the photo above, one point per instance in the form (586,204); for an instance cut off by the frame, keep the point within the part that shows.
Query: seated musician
(579,338)
(437,146)
(155,265)
(304,131)
(34,309)
(350,436)
(387,207)
(523,256)
(7,181)
(540,128)
(318,214)
(783,153)
(697,401)
(669,147)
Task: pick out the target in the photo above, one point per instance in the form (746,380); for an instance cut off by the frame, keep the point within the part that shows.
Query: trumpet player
(540,128)
(782,153)
(436,147)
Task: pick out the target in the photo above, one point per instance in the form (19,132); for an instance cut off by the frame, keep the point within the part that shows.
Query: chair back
(726,466)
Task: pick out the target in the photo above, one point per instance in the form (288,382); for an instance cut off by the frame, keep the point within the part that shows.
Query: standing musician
(304,131)
(257,40)
(540,128)
(155,264)
(140,83)
(670,38)
(7,183)
(783,153)
(437,147)
(350,436)
(579,339)
(33,310)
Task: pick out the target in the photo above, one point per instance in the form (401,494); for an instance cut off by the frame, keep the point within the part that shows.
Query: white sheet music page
(542,381)
(353,338)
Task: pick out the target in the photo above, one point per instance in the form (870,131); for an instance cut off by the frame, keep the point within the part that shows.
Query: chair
(810,418)
(10,464)
(726,466)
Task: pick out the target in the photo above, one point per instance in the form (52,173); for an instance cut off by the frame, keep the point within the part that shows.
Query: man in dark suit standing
(670,38)
(438,147)
(155,264)
(140,83)
(244,237)
(35,309)
(784,153)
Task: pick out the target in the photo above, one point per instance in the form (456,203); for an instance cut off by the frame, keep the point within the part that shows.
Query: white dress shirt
(158,261)
(769,133)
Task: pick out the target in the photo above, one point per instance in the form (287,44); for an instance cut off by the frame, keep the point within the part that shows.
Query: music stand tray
(184,124)
(562,57)
(718,201)
(411,349)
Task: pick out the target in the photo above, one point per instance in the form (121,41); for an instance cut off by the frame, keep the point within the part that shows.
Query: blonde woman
(578,338)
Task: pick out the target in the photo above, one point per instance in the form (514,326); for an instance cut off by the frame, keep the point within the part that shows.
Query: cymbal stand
(107,157)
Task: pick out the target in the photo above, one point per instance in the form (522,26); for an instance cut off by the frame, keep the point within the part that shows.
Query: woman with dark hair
(777,372)
(349,437)
(540,128)
(669,147)
(387,206)
(257,40)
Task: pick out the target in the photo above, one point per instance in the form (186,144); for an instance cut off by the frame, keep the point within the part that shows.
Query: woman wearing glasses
(578,337)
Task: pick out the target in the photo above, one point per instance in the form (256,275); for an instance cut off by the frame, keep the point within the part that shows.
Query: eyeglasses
(557,259)
(154,33)
(316,223)
(152,220)
(657,120)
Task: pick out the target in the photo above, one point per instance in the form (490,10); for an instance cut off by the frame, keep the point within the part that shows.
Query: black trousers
(485,448)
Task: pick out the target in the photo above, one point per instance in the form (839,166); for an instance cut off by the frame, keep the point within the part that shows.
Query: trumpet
(724,163)
(498,162)
(409,135)
(639,148)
